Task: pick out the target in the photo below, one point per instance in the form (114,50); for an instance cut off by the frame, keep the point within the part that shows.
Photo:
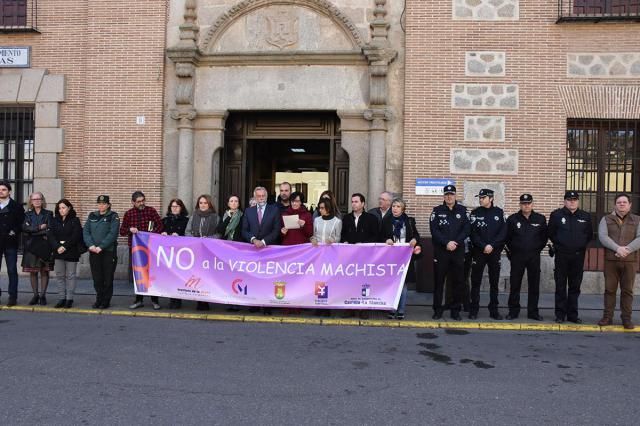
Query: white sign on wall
(15,57)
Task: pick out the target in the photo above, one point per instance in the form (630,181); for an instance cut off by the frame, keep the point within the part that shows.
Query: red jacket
(298,236)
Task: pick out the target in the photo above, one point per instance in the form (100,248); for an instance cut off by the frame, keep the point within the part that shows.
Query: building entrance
(268,148)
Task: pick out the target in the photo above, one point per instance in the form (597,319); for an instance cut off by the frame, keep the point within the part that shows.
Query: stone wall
(604,65)
(486,10)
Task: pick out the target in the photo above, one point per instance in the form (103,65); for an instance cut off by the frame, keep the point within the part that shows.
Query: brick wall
(112,54)
(536,60)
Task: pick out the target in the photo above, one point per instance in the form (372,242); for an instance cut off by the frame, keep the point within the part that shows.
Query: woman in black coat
(175,223)
(36,258)
(400,228)
(65,237)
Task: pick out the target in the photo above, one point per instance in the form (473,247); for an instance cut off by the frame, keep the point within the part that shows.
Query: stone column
(209,138)
(379,54)
(355,140)
(185,152)
(377,150)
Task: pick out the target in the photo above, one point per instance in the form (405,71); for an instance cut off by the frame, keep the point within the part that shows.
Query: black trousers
(568,275)
(480,260)
(519,263)
(466,287)
(448,265)
(103,266)
(139,297)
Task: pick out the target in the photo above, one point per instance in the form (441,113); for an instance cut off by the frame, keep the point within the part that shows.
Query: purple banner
(344,276)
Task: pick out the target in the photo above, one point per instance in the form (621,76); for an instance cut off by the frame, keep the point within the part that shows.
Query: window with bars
(598,10)
(17,129)
(603,159)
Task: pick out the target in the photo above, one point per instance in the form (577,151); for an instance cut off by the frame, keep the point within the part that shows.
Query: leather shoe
(473,316)
(69,304)
(605,322)
(61,304)
(12,301)
(628,325)
(575,320)
(96,305)
(511,316)
(536,317)
(456,316)
(496,316)
(559,320)
(437,315)
(34,300)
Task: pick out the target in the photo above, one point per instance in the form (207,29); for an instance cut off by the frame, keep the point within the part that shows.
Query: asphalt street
(76,369)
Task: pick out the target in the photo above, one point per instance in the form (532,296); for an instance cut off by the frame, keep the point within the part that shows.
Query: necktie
(259,215)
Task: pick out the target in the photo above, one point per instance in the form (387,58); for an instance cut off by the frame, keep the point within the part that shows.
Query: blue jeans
(403,300)
(11,258)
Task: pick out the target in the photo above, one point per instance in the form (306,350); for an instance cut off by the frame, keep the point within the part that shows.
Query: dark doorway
(267,148)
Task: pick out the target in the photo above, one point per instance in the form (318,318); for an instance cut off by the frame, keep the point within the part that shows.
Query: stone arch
(323,7)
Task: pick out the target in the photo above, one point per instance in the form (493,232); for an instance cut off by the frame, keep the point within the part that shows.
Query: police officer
(570,230)
(526,237)
(100,235)
(488,235)
(449,227)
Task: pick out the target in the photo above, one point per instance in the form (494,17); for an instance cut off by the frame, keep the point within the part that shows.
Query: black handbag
(39,247)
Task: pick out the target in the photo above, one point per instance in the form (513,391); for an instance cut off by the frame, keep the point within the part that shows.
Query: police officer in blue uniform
(488,235)
(570,230)
(449,226)
(526,237)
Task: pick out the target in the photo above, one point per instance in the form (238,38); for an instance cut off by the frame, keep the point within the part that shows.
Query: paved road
(74,369)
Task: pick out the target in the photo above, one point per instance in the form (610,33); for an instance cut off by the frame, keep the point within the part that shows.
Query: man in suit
(359,227)
(261,224)
(384,207)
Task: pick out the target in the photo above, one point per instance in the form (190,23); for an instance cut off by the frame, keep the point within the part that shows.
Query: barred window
(13,13)
(603,7)
(17,128)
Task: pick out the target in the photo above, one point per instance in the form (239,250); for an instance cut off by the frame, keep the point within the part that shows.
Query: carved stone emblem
(282,29)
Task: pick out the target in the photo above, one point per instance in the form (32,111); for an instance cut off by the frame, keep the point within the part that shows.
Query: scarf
(204,222)
(398,223)
(234,221)
(327,217)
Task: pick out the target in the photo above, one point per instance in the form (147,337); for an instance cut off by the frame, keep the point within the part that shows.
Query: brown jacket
(622,232)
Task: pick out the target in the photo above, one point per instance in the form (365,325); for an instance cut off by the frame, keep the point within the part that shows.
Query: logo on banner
(279,289)
(322,290)
(238,288)
(366,290)
(193,282)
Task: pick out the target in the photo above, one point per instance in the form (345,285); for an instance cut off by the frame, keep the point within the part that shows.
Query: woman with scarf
(203,224)
(175,224)
(331,198)
(37,258)
(229,228)
(398,228)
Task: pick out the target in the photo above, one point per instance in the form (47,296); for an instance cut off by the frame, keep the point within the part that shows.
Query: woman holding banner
(398,228)
(175,223)
(327,229)
(328,196)
(302,234)
(203,224)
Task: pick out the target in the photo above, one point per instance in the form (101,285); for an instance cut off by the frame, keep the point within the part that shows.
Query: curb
(584,328)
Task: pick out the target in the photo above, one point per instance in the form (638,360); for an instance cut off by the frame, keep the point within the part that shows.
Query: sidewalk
(418,314)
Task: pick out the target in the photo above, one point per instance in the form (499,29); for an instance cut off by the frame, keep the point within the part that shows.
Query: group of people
(463,243)
(470,242)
